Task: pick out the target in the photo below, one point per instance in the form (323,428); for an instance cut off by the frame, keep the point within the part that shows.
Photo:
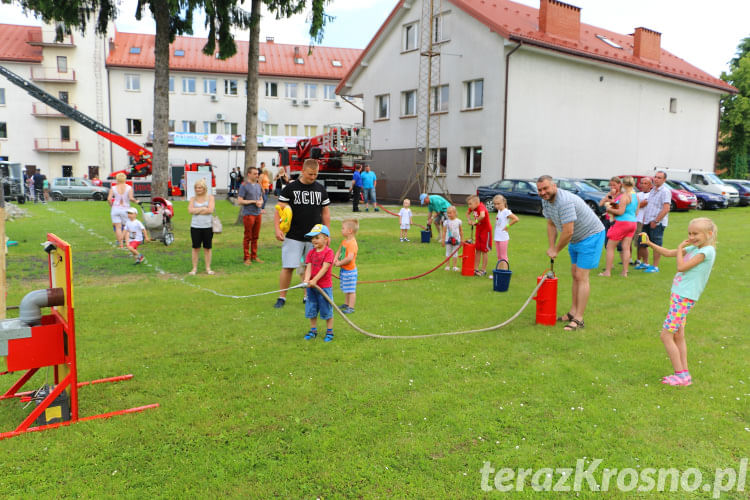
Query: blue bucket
(501,277)
(426,235)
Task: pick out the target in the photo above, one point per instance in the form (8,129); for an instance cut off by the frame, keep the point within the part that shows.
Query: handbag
(216,224)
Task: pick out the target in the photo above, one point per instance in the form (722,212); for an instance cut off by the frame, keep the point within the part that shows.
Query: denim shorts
(655,234)
(587,252)
(316,303)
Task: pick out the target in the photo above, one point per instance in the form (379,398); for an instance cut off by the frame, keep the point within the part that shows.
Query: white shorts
(293,253)
(405,226)
(119,215)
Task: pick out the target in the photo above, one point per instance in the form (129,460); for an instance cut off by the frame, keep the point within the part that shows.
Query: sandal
(191,273)
(565,318)
(210,272)
(573,325)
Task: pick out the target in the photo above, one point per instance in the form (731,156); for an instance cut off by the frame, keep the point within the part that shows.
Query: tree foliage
(735,116)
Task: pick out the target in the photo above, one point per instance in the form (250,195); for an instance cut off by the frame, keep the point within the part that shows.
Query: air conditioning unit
(214,98)
(306,102)
(294,102)
(338,104)
(220,116)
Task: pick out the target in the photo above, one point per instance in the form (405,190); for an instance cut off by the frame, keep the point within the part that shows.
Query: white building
(72,70)
(524,92)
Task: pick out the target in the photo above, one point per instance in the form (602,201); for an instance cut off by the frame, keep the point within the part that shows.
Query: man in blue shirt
(369,182)
(356,188)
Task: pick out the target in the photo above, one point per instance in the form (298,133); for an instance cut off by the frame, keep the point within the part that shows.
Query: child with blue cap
(318,263)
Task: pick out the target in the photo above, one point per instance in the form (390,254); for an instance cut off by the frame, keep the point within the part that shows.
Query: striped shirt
(656,200)
(569,207)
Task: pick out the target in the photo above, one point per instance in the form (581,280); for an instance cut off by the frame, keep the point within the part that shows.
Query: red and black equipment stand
(33,341)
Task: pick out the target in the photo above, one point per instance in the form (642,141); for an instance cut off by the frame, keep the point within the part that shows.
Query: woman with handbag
(201,207)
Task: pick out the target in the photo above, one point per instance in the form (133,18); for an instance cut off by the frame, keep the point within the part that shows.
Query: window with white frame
(410,36)
(440,28)
(409,103)
(134,126)
(440,99)
(439,160)
(188,126)
(230,87)
(132,82)
(382,105)
(311,91)
(171,125)
(291,90)
(311,130)
(473,160)
(231,128)
(2,97)
(210,127)
(290,130)
(329,92)
(209,86)
(171,84)
(62,64)
(3,130)
(65,132)
(271,129)
(272,89)
(188,85)
(474,91)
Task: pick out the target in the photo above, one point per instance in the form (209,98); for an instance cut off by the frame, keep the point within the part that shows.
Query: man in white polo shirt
(656,216)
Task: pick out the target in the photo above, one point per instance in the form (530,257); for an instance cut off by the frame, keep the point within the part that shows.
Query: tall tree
(735,116)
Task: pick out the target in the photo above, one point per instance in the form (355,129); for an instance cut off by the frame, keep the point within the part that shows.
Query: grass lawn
(250,409)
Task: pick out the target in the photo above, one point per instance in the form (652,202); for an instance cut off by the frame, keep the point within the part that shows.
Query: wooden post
(2,253)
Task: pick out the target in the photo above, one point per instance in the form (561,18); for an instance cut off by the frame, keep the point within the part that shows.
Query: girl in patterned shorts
(695,258)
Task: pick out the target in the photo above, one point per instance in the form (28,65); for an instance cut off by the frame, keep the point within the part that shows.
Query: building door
(30,170)
(67,170)
(93,171)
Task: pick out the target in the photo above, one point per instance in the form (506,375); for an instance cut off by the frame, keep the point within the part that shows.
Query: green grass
(249,409)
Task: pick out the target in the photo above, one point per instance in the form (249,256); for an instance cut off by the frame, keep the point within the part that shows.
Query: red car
(681,200)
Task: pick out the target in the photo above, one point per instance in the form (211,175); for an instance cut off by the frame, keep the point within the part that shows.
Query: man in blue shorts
(581,231)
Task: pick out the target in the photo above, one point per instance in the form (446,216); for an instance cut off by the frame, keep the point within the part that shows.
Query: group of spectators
(36,186)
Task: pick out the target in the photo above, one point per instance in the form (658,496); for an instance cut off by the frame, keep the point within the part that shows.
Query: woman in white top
(201,207)
(119,198)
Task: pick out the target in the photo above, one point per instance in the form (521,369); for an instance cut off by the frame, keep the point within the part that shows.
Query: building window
(329,92)
(299,60)
(439,160)
(311,91)
(410,37)
(179,53)
(336,63)
(3,130)
(230,87)
(271,129)
(62,64)
(473,160)
(291,90)
(133,82)
(171,125)
(134,126)
(673,105)
(474,94)
(64,96)
(272,89)
(409,103)
(440,99)
(439,29)
(381,106)
(188,126)
(209,86)
(135,50)
(231,128)
(64,132)
(188,85)
(311,130)
(261,58)
(290,130)
(171,84)
(209,128)
(2,97)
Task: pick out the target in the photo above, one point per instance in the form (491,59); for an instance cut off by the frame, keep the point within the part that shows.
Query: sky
(704,33)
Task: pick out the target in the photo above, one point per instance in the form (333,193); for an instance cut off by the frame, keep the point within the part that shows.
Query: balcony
(47,38)
(43,111)
(55,145)
(52,75)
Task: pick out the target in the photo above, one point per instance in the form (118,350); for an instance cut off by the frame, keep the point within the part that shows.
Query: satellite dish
(262,115)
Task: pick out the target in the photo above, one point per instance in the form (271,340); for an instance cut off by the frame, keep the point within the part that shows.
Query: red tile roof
(520,23)
(14,43)
(279,58)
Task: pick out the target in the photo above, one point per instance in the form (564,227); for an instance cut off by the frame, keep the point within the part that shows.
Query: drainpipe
(505,106)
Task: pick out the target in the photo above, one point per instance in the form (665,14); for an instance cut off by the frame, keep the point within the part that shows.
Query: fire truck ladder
(347,139)
(140,155)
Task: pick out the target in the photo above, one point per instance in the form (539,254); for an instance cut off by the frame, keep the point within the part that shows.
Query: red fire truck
(338,150)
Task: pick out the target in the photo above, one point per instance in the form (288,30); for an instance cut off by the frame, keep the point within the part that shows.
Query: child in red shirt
(480,219)
(318,272)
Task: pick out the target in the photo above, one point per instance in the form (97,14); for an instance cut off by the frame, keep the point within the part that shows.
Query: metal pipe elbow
(30,309)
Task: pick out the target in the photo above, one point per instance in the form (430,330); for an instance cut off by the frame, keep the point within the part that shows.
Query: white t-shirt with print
(135,229)
(452,229)
(501,225)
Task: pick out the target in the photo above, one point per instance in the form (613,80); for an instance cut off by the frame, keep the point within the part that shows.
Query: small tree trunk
(161,100)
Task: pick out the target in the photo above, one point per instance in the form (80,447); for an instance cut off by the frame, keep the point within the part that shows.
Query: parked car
(681,199)
(706,200)
(743,187)
(63,188)
(521,195)
(585,190)
(601,184)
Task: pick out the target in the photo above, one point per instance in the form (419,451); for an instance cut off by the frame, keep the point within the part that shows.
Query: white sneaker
(447,268)
(456,269)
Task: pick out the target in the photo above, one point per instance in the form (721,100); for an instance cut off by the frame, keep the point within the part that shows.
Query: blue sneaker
(328,337)
(311,335)
(651,269)
(640,265)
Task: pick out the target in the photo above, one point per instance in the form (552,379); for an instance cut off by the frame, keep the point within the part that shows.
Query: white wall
(573,118)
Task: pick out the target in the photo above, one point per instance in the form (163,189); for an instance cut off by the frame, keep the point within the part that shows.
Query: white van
(705,181)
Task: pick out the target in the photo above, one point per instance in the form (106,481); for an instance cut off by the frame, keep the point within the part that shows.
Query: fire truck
(338,151)
(140,157)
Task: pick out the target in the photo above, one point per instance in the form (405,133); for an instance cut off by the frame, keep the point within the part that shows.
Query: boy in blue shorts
(318,272)
(347,260)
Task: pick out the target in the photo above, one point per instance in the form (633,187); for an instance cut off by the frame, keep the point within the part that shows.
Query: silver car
(63,188)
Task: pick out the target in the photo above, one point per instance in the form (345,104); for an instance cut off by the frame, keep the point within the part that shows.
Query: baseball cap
(422,197)
(319,229)
(132,210)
